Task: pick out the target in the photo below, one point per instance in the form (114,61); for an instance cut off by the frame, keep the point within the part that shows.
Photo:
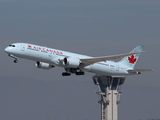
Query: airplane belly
(106,70)
(100,69)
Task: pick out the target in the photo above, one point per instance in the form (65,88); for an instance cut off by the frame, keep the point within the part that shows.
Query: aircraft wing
(140,70)
(89,61)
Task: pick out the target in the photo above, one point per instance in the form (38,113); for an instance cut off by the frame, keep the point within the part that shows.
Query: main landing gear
(72,70)
(80,73)
(12,56)
(66,74)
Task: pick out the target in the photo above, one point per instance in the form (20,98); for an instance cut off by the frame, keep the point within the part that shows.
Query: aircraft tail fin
(130,61)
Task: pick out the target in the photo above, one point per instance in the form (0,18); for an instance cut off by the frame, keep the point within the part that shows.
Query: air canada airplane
(47,58)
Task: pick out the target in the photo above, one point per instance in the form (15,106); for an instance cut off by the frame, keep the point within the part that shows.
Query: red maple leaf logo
(132,59)
(29,46)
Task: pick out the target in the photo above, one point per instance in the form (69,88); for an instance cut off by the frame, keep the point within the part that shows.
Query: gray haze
(91,27)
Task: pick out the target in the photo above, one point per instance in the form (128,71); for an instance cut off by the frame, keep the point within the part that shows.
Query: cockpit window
(12,45)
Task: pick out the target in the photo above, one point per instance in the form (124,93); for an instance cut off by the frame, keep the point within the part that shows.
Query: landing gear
(66,74)
(76,71)
(80,73)
(12,56)
(15,61)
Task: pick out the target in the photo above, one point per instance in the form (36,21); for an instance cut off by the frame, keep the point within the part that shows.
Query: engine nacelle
(71,62)
(43,65)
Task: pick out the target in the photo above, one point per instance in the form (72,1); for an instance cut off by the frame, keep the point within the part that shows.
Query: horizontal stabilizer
(140,70)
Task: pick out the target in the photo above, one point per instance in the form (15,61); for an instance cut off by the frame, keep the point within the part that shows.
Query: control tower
(109,89)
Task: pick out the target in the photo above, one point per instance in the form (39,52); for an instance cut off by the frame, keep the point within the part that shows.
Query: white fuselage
(55,57)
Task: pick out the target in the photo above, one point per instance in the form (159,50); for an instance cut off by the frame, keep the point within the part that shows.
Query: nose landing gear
(15,61)
(12,56)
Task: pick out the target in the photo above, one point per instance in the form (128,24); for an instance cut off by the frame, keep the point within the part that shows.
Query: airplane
(47,58)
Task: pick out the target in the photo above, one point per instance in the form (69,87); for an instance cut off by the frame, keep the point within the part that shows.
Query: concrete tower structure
(109,89)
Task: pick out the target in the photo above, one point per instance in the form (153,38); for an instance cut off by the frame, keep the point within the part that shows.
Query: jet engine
(43,65)
(71,62)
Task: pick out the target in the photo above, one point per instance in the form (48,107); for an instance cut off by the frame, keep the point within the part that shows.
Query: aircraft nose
(6,49)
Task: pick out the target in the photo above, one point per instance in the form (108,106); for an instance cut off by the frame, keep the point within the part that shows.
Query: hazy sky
(91,27)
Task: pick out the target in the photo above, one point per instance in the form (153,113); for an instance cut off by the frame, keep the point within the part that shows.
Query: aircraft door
(22,48)
(50,54)
(112,68)
(117,68)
